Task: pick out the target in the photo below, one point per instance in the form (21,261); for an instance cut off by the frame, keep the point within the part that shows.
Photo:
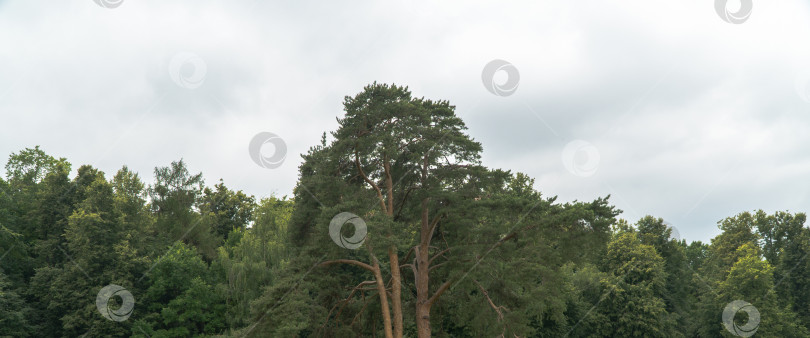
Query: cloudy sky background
(694,119)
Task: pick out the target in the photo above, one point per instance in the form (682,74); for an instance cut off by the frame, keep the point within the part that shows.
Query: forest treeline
(395,229)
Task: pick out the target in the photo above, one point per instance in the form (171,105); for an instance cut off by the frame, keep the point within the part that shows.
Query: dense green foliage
(504,259)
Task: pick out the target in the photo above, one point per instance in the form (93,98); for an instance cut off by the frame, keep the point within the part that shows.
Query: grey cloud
(695,119)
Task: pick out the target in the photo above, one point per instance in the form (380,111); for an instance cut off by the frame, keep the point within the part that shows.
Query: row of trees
(187,255)
(453,248)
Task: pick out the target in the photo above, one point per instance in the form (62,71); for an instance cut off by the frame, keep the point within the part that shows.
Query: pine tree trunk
(396,291)
(422,277)
(422,294)
(386,312)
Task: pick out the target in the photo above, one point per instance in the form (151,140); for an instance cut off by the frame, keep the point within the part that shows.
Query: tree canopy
(395,228)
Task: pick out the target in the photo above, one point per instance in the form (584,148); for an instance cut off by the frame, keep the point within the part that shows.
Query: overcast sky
(666,106)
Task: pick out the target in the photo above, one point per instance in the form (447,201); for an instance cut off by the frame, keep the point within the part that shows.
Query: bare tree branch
(437,255)
(408,255)
(348,261)
(436,266)
(365,177)
(438,293)
(491,303)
